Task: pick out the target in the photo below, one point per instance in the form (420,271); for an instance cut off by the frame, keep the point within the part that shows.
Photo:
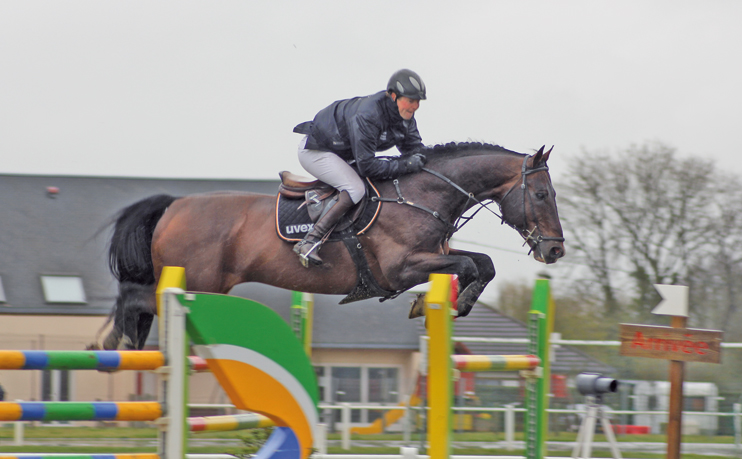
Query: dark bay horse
(226,238)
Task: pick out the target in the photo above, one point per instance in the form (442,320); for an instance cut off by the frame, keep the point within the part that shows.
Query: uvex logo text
(305,228)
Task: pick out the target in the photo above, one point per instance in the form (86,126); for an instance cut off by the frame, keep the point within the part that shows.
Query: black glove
(414,163)
(422,157)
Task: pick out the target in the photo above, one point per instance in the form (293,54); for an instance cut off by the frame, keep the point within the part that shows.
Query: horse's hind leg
(132,317)
(114,336)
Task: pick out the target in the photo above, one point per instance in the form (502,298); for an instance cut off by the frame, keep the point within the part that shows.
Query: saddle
(302,201)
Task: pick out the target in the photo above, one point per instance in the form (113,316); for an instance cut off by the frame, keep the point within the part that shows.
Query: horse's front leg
(469,293)
(466,265)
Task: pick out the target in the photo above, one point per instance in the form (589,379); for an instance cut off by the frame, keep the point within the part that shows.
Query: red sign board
(682,344)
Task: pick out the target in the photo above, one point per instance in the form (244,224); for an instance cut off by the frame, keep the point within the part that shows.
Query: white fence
(509,424)
(509,415)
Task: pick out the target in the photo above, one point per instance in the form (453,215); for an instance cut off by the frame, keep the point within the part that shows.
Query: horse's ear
(541,157)
(546,155)
(538,156)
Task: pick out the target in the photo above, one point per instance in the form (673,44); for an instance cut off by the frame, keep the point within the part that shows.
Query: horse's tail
(129,253)
(130,262)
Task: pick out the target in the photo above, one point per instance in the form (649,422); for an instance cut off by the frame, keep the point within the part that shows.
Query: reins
(470,197)
(402,200)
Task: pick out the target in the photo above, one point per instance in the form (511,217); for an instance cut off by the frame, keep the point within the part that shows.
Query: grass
(131,435)
(114,431)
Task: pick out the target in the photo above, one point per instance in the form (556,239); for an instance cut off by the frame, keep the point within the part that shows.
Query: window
(382,388)
(382,385)
(2,291)
(357,385)
(691,403)
(346,387)
(55,385)
(63,289)
(321,384)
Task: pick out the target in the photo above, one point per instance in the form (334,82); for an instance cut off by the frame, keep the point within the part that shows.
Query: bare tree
(645,216)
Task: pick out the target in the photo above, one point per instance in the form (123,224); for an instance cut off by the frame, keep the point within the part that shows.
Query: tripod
(584,442)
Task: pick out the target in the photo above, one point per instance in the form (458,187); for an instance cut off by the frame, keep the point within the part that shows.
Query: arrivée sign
(683,344)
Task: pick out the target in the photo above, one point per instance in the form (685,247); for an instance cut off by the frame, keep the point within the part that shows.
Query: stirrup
(306,258)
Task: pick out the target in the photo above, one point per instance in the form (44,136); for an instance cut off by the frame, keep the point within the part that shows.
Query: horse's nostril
(557,252)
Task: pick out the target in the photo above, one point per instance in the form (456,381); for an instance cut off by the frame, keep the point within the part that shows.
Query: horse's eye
(541,195)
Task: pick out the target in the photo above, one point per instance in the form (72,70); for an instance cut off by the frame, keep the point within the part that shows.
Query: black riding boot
(308,247)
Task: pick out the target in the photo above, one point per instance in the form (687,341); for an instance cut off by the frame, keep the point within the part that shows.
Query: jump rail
(90,360)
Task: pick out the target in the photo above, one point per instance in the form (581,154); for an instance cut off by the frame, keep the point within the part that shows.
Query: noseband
(524,232)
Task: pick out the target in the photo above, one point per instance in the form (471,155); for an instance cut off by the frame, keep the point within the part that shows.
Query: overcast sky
(213,89)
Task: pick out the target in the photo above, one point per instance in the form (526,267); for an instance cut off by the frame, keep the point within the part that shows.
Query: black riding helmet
(408,84)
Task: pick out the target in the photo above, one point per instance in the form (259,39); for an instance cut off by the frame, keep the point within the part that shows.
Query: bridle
(524,232)
(463,220)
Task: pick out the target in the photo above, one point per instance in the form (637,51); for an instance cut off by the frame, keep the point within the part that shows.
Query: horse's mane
(465,149)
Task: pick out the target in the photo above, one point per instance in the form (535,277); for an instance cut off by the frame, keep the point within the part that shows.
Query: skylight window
(63,289)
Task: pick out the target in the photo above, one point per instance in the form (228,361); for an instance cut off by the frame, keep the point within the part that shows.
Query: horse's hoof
(417,308)
(463,309)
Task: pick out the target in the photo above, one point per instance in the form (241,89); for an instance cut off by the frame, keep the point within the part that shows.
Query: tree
(645,216)
(575,318)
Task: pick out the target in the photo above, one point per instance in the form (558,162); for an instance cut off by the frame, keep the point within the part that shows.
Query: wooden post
(675,418)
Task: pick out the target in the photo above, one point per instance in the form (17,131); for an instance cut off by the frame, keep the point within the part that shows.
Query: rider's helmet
(407,83)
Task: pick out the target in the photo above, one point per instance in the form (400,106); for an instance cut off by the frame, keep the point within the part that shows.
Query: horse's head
(529,206)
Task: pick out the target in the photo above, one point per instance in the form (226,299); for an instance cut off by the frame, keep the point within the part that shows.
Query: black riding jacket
(355,129)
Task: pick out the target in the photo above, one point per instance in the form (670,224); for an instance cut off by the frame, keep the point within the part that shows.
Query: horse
(226,238)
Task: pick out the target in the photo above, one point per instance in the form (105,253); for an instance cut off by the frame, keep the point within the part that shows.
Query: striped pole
(90,360)
(229,422)
(495,362)
(80,411)
(79,456)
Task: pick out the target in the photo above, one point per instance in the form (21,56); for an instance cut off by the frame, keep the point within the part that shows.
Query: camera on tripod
(595,384)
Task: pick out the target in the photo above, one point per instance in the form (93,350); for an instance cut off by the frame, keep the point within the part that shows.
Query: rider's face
(407,107)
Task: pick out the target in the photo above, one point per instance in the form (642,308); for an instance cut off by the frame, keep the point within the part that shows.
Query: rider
(340,147)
